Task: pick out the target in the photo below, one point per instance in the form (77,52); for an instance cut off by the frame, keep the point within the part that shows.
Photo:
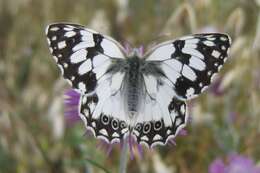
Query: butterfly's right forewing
(191,63)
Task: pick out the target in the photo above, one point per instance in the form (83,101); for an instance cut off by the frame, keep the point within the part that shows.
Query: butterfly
(128,93)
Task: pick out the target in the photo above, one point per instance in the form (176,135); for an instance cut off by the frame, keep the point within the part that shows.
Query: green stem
(123,158)
(94,163)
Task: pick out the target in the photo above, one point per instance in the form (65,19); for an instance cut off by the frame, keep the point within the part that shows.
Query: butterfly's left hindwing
(107,126)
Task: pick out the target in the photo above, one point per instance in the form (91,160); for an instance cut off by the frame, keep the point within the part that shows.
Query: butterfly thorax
(135,68)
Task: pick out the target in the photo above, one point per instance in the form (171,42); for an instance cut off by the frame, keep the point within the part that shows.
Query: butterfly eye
(142,69)
(126,67)
(145,68)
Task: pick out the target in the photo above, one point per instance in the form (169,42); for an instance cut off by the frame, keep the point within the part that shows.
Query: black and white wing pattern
(184,68)
(84,57)
(190,63)
(168,75)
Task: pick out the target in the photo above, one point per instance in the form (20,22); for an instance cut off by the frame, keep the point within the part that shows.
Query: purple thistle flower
(232,116)
(217,166)
(235,164)
(141,50)
(130,143)
(128,48)
(71,102)
(215,88)
(183,132)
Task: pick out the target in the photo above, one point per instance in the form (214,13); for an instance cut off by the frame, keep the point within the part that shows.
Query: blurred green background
(34,136)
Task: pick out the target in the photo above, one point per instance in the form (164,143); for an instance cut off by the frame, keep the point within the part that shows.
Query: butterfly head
(133,52)
(139,51)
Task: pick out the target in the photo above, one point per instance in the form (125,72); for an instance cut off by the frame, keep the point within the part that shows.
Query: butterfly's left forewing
(82,55)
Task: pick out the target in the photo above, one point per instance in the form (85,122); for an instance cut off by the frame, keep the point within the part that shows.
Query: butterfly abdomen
(133,85)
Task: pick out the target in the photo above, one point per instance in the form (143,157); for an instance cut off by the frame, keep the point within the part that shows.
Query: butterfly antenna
(154,41)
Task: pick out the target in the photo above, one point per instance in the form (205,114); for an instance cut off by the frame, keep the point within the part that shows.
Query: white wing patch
(174,64)
(99,60)
(85,67)
(188,73)
(116,82)
(163,52)
(78,56)
(197,63)
(101,69)
(111,49)
(151,85)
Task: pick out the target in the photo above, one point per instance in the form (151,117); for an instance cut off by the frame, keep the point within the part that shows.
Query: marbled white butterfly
(126,93)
